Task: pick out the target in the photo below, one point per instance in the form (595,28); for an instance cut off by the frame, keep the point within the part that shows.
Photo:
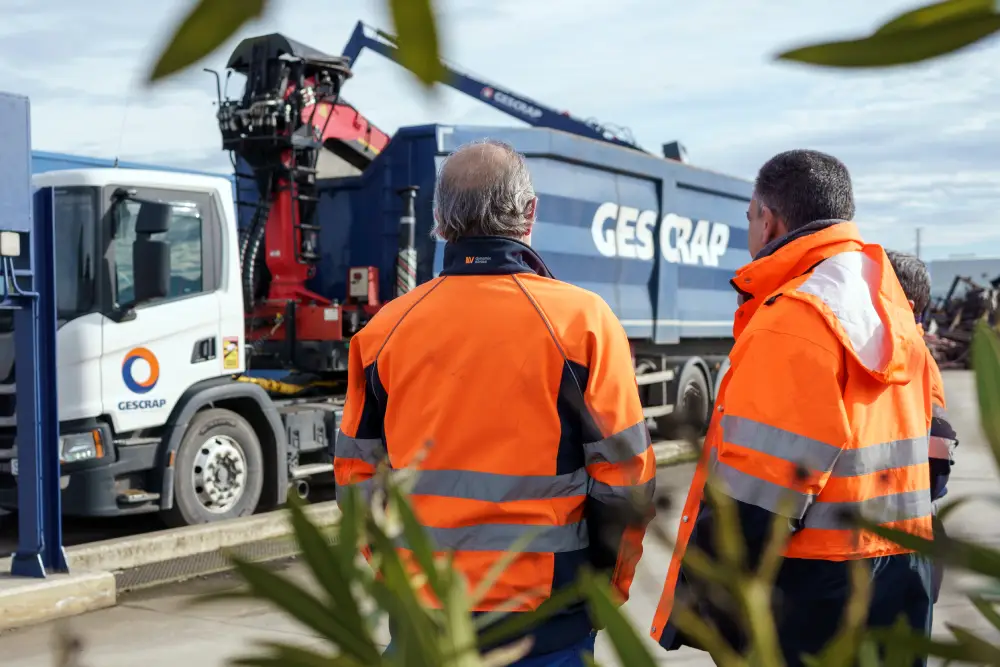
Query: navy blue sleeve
(943,441)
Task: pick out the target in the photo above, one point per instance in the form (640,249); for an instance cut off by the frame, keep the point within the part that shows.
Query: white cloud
(920,141)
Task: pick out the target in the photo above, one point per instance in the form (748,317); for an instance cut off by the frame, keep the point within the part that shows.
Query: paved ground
(155,628)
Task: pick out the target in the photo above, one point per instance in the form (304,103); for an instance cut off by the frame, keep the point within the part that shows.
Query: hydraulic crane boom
(499,98)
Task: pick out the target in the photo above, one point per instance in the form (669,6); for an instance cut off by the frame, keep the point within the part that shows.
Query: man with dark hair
(799,188)
(916,284)
(822,416)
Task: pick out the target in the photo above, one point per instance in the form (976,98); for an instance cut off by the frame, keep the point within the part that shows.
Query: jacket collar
(491,255)
(789,257)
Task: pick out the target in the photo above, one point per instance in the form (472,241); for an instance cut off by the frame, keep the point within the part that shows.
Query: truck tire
(218,471)
(692,409)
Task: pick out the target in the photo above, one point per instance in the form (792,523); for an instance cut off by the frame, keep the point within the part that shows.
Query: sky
(922,142)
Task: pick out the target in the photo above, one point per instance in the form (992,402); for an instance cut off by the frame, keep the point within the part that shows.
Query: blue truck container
(658,239)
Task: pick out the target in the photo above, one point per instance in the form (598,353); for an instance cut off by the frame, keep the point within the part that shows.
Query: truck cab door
(152,354)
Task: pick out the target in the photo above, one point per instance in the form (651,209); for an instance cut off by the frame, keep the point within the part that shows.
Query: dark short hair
(801,186)
(913,278)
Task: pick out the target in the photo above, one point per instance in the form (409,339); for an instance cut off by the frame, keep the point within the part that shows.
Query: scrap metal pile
(951,320)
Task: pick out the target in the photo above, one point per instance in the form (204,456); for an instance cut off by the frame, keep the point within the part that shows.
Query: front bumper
(95,488)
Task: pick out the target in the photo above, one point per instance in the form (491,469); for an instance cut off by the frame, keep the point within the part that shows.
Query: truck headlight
(80,447)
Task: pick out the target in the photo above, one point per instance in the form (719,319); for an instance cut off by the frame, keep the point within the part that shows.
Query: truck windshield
(76,216)
(76,211)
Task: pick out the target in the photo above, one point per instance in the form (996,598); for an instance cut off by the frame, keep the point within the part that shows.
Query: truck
(168,302)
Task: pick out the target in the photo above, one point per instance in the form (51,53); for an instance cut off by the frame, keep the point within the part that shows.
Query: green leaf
(947,508)
(288,655)
(350,525)
(395,593)
(207,27)
(898,47)
(628,645)
(417,39)
(418,540)
(502,564)
(460,633)
(984,652)
(868,654)
(509,654)
(303,607)
(322,561)
(514,625)
(922,644)
(938,12)
(952,551)
(988,609)
(986,362)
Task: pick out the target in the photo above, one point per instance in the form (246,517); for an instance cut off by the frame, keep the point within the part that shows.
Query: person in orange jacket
(916,283)
(516,396)
(824,414)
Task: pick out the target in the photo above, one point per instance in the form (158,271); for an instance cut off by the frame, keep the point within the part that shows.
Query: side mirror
(151,268)
(153,217)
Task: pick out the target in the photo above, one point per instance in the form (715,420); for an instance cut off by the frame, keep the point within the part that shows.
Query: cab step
(137,497)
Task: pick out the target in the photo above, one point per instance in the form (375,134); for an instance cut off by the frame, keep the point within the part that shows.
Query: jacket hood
(851,284)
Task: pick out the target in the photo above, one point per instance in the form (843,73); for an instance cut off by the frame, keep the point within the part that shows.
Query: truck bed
(658,239)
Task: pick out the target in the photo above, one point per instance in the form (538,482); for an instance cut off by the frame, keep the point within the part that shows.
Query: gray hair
(483,189)
(913,278)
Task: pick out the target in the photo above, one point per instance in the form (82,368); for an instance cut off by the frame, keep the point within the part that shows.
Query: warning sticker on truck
(231,353)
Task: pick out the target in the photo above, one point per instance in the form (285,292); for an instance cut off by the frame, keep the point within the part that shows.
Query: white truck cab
(151,335)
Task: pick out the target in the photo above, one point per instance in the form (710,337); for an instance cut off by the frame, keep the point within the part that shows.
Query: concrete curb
(93,584)
(25,602)
(97,568)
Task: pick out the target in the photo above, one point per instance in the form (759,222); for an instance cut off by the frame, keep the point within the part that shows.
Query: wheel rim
(693,406)
(219,474)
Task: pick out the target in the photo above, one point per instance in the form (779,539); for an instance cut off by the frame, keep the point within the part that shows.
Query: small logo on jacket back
(477,260)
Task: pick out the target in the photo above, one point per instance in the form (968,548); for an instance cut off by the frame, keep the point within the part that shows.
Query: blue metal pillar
(27,272)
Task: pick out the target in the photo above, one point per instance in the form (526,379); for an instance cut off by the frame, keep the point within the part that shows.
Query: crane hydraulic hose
(254,262)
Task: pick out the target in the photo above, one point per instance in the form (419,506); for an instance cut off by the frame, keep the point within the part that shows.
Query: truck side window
(185,239)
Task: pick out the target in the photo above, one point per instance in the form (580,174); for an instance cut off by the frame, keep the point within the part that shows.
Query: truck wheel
(218,472)
(692,409)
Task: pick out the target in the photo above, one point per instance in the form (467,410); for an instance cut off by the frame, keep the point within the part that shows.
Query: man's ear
(774,226)
(531,210)
(912,305)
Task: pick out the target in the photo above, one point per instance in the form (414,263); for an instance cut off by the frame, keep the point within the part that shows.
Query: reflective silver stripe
(883,456)
(942,448)
(754,491)
(369,450)
(502,537)
(615,495)
(846,283)
(881,510)
(496,488)
(620,447)
(777,442)
(938,412)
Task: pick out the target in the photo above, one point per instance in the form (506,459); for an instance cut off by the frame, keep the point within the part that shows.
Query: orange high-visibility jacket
(519,392)
(826,407)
